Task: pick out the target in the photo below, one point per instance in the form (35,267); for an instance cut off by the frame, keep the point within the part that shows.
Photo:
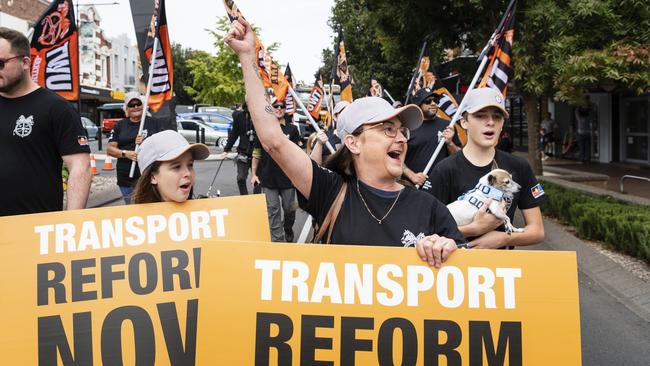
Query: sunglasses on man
(134,105)
(434,99)
(278,106)
(3,62)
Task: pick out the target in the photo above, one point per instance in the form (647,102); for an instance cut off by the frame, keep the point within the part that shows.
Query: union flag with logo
(162,85)
(54,50)
(499,70)
(276,86)
(375,90)
(340,72)
(316,97)
(289,103)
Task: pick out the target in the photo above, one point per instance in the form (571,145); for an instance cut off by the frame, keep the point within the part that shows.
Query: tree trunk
(532,119)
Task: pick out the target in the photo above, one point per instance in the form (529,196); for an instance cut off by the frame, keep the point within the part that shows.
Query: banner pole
(311,120)
(417,66)
(146,98)
(389,96)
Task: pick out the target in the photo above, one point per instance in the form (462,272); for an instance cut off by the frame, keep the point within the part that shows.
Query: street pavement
(614,304)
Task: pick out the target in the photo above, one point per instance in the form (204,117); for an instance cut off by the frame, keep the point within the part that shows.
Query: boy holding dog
(484,115)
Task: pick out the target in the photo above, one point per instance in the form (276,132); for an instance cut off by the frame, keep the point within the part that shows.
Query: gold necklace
(379,221)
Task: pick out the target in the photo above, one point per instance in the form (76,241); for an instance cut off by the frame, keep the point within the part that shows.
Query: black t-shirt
(242,129)
(124,133)
(270,174)
(457,175)
(35,131)
(423,143)
(415,214)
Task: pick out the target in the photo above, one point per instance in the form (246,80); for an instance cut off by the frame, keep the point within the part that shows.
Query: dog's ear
(492,179)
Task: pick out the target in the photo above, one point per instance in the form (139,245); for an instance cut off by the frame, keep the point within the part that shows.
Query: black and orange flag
(316,97)
(290,105)
(162,86)
(340,72)
(426,77)
(499,70)
(375,90)
(54,50)
(276,85)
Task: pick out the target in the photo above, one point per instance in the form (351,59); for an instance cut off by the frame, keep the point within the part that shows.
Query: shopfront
(635,129)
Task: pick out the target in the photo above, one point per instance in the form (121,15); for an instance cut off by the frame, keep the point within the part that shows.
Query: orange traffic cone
(93,165)
(108,163)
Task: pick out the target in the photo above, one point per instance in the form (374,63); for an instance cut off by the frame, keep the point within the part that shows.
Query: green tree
(562,49)
(218,79)
(182,75)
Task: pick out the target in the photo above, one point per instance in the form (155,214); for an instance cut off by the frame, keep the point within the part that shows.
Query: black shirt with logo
(124,133)
(242,129)
(268,171)
(457,175)
(36,130)
(415,214)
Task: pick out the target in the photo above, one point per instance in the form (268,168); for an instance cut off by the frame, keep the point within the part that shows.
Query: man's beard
(11,84)
(430,114)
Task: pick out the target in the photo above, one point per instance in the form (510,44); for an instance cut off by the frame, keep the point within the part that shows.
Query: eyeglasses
(4,62)
(134,105)
(278,106)
(430,100)
(389,129)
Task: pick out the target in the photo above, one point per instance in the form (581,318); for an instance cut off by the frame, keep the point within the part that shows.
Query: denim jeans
(126,193)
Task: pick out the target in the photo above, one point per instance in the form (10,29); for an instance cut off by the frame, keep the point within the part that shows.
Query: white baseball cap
(375,109)
(168,145)
(132,95)
(340,106)
(479,98)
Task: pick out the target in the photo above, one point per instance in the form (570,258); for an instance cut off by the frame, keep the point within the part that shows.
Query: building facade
(125,63)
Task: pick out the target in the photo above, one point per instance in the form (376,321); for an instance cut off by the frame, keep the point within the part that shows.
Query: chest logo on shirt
(409,239)
(24,126)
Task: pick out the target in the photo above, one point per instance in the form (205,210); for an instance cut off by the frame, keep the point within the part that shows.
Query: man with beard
(424,140)
(38,132)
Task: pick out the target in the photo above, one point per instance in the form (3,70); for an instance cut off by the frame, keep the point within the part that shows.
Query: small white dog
(499,186)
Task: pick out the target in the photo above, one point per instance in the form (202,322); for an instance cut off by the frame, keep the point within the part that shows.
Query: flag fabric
(276,86)
(499,70)
(54,50)
(290,106)
(375,90)
(340,72)
(426,77)
(163,70)
(447,104)
(316,98)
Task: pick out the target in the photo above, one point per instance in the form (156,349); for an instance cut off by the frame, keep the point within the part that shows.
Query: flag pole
(146,97)
(417,66)
(311,120)
(484,58)
(388,95)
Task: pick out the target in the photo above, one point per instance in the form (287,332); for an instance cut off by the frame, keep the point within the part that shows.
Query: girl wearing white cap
(167,163)
(484,115)
(360,193)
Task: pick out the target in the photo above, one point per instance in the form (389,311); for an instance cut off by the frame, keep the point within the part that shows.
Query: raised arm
(293,161)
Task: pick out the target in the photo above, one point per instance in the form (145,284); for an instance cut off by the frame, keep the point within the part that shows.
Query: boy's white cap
(479,98)
(168,145)
(375,109)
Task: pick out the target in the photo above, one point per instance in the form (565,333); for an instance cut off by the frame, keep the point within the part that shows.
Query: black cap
(421,95)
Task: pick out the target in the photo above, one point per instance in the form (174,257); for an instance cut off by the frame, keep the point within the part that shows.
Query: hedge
(622,226)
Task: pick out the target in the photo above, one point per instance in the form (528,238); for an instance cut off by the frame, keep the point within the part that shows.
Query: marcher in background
(358,191)
(485,115)
(242,129)
(424,140)
(39,131)
(505,142)
(317,150)
(167,162)
(279,191)
(548,124)
(583,131)
(123,139)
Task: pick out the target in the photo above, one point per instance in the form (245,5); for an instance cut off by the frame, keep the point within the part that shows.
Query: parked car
(188,128)
(111,113)
(92,130)
(215,120)
(212,109)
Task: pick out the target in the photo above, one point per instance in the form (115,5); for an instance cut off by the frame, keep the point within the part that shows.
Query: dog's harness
(488,191)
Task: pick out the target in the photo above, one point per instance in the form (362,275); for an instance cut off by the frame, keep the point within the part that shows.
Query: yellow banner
(194,287)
